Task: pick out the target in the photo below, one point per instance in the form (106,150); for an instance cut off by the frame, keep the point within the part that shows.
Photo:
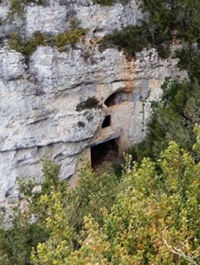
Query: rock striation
(40,94)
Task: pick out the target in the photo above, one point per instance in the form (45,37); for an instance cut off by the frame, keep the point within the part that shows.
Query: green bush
(29,226)
(189,60)
(150,214)
(29,45)
(17,241)
(104,2)
(17,7)
(174,118)
(154,218)
(110,2)
(164,22)
(70,37)
(26,46)
(132,39)
(90,103)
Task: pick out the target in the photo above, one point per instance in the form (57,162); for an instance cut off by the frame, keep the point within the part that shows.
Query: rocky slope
(40,94)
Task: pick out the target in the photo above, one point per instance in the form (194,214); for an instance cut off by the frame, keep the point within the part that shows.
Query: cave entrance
(106,122)
(117,98)
(112,100)
(104,152)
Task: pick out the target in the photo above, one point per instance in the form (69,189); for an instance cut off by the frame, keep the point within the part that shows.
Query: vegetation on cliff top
(28,45)
(165,21)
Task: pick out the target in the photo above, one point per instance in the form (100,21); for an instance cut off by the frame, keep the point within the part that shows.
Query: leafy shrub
(151,214)
(105,2)
(153,221)
(189,59)
(154,218)
(166,20)
(174,118)
(70,37)
(90,103)
(132,39)
(17,241)
(17,7)
(109,2)
(28,46)
(33,226)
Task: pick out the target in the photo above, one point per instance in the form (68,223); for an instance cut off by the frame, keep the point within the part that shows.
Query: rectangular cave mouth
(107,121)
(107,151)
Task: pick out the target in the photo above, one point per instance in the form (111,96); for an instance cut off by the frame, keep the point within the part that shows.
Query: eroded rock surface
(40,94)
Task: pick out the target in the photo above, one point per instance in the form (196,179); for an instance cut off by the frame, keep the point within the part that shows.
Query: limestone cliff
(41,95)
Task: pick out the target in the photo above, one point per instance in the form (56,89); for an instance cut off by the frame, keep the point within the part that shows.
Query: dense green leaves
(109,2)
(166,21)
(132,39)
(149,216)
(153,220)
(28,45)
(177,113)
(55,214)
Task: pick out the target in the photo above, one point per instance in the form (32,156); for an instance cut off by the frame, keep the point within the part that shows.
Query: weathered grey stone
(11,65)
(39,97)
(4,11)
(48,19)
(104,20)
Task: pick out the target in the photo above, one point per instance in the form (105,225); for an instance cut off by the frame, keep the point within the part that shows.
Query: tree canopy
(154,219)
(149,216)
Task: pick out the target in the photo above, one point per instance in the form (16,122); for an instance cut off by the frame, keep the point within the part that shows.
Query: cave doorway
(118,98)
(104,152)
(112,100)
(106,122)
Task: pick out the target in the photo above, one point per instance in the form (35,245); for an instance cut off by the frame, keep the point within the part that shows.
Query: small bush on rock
(26,46)
(164,22)
(70,37)
(17,7)
(90,103)
(29,45)
(109,2)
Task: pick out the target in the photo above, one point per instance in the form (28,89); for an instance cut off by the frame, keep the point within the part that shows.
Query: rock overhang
(40,94)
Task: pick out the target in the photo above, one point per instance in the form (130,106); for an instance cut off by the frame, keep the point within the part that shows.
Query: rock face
(40,117)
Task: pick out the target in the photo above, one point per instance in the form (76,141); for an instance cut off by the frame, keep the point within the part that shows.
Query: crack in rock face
(40,93)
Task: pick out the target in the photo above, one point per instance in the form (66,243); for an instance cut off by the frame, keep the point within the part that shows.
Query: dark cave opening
(118,98)
(104,152)
(111,100)
(107,121)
